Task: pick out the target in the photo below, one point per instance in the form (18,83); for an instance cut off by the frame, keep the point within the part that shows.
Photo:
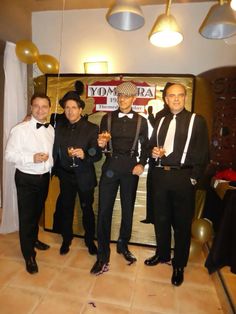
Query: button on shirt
(24,141)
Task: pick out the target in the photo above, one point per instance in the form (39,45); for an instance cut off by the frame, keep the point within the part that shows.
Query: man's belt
(168,168)
(31,174)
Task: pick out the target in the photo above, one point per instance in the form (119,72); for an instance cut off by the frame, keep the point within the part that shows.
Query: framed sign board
(99,96)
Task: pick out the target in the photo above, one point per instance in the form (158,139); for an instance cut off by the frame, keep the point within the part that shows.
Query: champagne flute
(70,150)
(161,153)
(105,136)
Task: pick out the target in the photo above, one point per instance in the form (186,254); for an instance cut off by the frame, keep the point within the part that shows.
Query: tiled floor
(64,284)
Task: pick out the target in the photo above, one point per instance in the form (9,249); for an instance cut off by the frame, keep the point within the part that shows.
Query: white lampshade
(125,15)
(219,23)
(165,32)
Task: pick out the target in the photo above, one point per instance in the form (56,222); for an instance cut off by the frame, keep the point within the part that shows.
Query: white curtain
(15,108)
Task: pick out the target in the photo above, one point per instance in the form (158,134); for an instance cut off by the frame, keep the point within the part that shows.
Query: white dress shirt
(24,141)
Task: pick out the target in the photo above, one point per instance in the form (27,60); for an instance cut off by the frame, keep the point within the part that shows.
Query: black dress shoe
(127,254)
(31,265)
(152,261)
(99,267)
(177,276)
(146,221)
(65,248)
(41,246)
(92,248)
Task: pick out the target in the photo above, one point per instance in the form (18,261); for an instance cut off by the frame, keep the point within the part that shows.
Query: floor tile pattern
(64,284)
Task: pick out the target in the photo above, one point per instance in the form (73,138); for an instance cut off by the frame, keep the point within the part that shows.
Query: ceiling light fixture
(165,32)
(219,23)
(125,15)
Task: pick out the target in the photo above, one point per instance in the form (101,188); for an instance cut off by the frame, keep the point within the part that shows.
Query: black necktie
(38,125)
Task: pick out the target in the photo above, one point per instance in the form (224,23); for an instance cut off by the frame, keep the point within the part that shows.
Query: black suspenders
(136,134)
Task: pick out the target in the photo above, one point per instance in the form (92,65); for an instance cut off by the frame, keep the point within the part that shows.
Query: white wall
(85,34)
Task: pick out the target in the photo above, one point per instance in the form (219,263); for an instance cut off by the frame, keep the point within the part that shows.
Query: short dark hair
(182,85)
(168,84)
(40,95)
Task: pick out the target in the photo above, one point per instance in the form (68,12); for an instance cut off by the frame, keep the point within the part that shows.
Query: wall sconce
(98,67)
(125,15)
(219,23)
(165,32)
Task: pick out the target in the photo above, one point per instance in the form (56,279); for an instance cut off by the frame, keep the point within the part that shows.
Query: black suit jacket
(82,134)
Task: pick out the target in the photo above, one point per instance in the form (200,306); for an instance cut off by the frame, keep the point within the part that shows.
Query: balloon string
(60,53)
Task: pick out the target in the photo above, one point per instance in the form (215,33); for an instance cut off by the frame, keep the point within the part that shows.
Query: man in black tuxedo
(76,171)
(183,162)
(121,169)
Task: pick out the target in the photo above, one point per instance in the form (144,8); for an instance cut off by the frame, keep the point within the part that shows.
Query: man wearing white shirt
(183,137)
(29,147)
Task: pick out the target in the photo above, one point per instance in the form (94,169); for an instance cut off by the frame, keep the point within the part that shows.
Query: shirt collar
(131,111)
(73,125)
(33,121)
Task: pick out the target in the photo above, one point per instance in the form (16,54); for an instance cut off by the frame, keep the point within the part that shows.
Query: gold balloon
(202,230)
(48,64)
(26,51)
(195,249)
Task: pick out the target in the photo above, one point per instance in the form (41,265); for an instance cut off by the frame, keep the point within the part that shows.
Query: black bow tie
(38,125)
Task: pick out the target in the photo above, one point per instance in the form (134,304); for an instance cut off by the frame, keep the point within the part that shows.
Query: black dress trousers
(109,183)
(173,201)
(149,205)
(57,216)
(69,188)
(32,192)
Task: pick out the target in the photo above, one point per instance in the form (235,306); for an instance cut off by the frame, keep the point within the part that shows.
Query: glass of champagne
(105,136)
(70,150)
(161,153)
